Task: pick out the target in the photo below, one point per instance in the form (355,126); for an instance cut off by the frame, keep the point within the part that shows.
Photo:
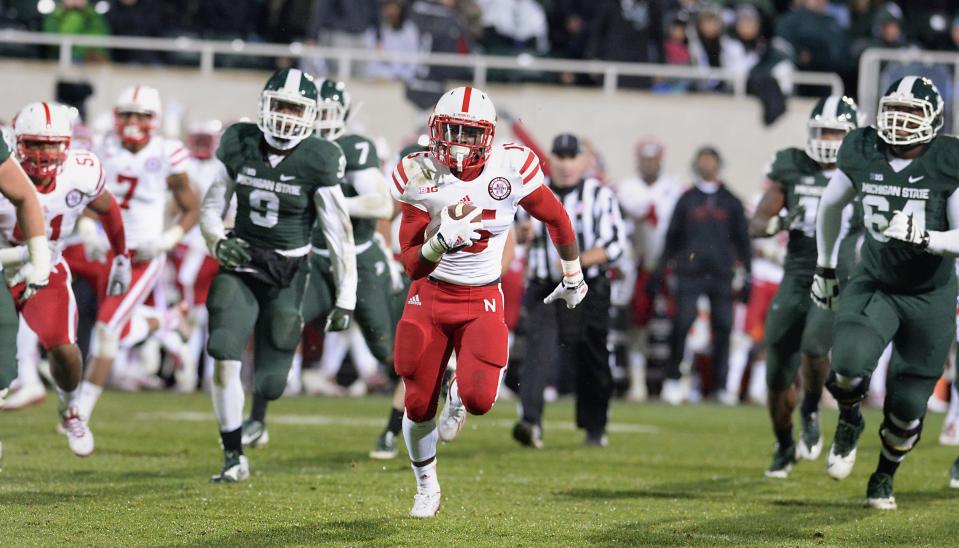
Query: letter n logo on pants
(489,305)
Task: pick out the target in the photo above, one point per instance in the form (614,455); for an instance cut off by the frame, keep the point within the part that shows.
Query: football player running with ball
(798,334)
(459,200)
(904,290)
(284,179)
(67,183)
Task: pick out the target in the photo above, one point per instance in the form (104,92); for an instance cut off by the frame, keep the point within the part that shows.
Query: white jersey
(202,174)
(649,208)
(139,182)
(511,173)
(79,182)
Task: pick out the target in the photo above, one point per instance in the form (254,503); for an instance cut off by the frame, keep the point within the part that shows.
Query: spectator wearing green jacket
(78,17)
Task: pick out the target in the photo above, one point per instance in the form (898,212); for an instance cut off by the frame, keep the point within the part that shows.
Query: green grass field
(671,476)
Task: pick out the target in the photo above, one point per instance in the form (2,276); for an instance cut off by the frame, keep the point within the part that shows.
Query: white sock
(421,439)
(757,381)
(365,362)
(335,347)
(68,398)
(294,384)
(86,398)
(953,412)
(27,355)
(426,480)
(228,394)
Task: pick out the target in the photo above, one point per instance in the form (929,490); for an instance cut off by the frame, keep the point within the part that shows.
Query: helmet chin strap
(280,144)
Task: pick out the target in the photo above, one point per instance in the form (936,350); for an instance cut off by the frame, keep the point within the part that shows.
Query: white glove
(453,234)
(904,228)
(94,245)
(573,287)
(38,275)
(120,274)
(155,248)
(825,288)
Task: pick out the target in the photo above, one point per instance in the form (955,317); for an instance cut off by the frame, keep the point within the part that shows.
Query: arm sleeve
(336,226)
(838,193)
(610,231)
(112,221)
(412,235)
(214,206)
(373,200)
(947,242)
(543,205)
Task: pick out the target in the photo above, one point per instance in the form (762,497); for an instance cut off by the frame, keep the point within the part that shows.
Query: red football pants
(52,312)
(439,318)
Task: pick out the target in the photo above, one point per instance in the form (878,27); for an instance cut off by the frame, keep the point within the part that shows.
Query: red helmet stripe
(136,92)
(46,112)
(466,99)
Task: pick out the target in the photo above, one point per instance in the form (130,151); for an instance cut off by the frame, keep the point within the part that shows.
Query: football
(460,211)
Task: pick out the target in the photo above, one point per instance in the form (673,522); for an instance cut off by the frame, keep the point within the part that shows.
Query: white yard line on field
(325,420)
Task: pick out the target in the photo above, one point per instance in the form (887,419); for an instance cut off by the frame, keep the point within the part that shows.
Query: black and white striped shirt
(597,221)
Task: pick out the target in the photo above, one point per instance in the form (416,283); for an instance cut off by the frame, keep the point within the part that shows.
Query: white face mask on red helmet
(43,132)
(142,100)
(462,127)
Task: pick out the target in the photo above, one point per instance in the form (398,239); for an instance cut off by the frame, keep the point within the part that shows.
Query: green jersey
(360,154)
(4,151)
(802,182)
(921,188)
(274,205)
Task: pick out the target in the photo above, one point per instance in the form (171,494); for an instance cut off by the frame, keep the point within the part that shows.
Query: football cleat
(954,475)
(783,461)
(255,434)
(596,439)
(79,437)
(810,438)
(27,394)
(950,433)
(842,453)
(528,434)
(673,392)
(425,504)
(453,416)
(236,468)
(879,493)
(385,447)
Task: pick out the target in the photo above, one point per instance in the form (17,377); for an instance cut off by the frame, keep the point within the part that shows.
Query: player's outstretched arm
(335,223)
(766,220)
(543,205)
(373,199)
(16,187)
(825,287)
(904,227)
(838,193)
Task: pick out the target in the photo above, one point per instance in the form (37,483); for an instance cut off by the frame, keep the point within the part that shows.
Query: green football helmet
(831,119)
(910,113)
(333,107)
(287,108)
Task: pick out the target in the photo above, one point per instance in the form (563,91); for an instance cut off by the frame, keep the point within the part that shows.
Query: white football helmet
(43,132)
(831,119)
(137,114)
(462,127)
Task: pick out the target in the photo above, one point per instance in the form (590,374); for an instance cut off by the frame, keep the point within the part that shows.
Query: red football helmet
(461,128)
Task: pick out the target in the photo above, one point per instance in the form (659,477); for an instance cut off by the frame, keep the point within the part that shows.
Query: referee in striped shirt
(554,332)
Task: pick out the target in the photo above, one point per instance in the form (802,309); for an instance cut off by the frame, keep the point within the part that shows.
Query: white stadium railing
(874,60)
(346,58)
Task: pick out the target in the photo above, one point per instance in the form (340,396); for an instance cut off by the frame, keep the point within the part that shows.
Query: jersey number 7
(132,182)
